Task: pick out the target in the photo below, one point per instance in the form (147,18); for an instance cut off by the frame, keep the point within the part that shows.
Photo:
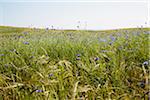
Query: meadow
(44,64)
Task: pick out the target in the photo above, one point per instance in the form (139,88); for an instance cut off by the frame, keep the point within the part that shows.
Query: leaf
(85,89)
(75,90)
(12,86)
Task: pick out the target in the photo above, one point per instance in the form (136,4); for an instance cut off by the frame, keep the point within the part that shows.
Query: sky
(65,14)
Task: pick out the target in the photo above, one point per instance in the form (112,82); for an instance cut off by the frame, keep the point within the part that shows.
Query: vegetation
(45,64)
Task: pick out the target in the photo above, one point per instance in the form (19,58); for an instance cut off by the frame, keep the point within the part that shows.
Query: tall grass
(76,65)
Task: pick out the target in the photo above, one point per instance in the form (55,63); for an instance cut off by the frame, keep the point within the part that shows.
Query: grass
(74,65)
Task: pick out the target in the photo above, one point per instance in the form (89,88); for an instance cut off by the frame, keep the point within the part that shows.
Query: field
(43,64)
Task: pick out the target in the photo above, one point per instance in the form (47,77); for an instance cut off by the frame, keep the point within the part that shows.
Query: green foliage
(78,65)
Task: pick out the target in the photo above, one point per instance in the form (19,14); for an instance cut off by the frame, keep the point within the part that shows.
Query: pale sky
(105,14)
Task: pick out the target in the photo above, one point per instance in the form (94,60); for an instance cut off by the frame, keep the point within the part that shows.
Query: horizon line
(115,1)
(141,26)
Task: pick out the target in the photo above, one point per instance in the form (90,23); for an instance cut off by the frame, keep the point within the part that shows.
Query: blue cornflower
(113,38)
(26,43)
(119,34)
(110,43)
(31,57)
(38,91)
(51,74)
(96,58)
(2,55)
(127,36)
(103,40)
(78,55)
(20,36)
(145,63)
(78,58)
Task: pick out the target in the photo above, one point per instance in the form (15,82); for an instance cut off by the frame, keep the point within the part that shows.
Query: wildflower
(113,38)
(2,55)
(78,55)
(145,63)
(26,43)
(127,37)
(119,34)
(96,59)
(78,58)
(51,74)
(126,31)
(110,43)
(20,36)
(38,91)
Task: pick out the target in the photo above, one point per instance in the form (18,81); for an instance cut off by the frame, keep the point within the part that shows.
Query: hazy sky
(67,14)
